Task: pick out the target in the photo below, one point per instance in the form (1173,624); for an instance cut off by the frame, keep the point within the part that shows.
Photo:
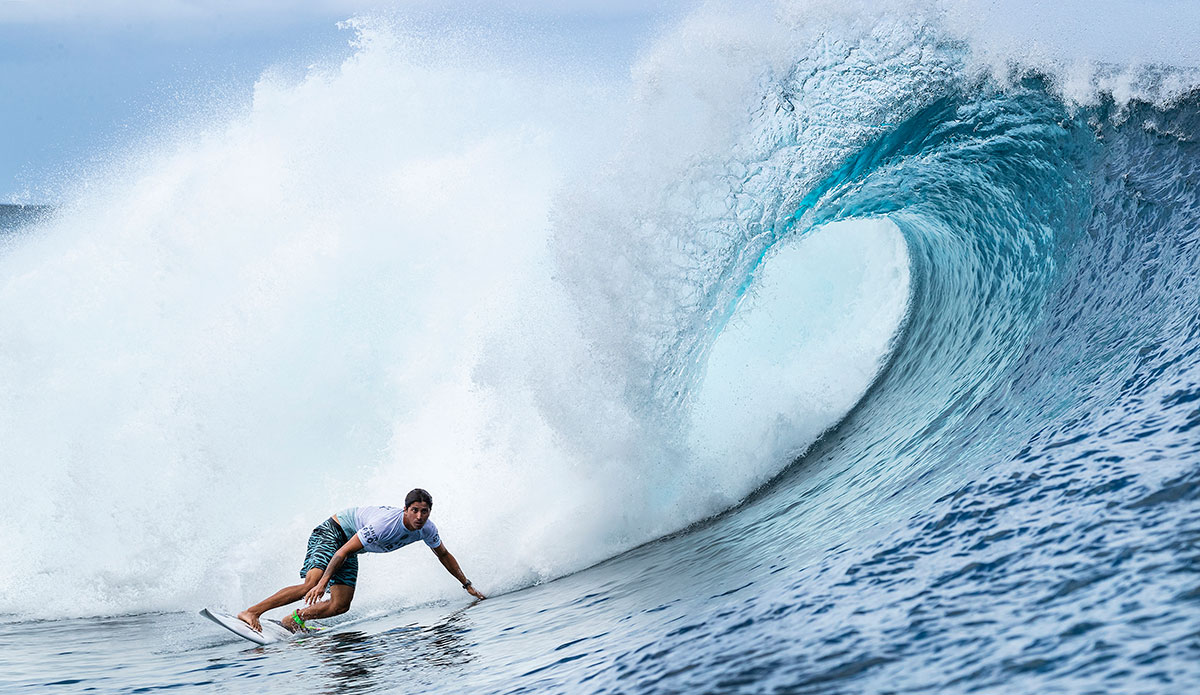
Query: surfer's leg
(338,602)
(282,597)
(322,544)
(340,596)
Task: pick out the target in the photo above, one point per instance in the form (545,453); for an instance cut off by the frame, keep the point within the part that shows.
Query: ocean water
(829,350)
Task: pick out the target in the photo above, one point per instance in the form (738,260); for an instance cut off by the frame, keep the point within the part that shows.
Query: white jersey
(382,529)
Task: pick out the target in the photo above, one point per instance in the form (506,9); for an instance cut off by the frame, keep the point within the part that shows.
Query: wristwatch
(467,584)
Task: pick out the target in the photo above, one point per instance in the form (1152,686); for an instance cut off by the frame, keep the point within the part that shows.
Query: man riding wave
(332,558)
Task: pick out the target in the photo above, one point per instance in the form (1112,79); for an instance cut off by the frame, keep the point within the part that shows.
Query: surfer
(332,558)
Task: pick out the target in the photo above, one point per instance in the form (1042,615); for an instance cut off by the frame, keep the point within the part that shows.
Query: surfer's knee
(335,605)
(340,597)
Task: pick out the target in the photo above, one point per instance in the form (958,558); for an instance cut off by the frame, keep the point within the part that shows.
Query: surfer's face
(416,514)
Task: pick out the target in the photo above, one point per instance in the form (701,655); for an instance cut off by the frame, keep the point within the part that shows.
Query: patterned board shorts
(322,544)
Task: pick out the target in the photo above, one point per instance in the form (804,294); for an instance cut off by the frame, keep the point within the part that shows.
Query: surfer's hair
(418,495)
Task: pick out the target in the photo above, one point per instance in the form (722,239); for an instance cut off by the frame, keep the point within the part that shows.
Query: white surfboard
(271,630)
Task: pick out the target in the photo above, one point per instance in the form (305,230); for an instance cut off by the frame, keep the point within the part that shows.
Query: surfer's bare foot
(290,623)
(250,619)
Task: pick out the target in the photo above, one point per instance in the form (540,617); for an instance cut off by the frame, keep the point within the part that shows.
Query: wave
(585,316)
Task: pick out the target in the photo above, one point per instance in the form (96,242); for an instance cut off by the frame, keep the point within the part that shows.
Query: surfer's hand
(475,592)
(314,594)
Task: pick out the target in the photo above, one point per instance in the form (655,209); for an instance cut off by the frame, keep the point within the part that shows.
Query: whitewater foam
(348,291)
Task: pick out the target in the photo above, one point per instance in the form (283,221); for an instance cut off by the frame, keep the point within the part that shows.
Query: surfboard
(271,630)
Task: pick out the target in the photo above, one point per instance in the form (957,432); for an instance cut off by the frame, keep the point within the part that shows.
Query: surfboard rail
(271,632)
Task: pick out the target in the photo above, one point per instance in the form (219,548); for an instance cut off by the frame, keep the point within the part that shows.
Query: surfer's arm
(351,547)
(452,567)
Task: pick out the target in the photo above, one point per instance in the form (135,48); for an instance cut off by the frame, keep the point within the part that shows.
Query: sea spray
(353,289)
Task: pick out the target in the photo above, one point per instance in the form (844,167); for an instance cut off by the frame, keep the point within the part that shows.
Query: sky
(81,80)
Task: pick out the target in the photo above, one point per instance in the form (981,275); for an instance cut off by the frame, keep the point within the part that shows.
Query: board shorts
(322,544)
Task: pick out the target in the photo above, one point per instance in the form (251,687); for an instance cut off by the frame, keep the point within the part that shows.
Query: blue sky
(84,79)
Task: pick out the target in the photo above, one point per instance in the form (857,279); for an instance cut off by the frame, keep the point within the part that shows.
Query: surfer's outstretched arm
(452,567)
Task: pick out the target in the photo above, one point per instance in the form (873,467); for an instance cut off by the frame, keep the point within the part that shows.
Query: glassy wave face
(923,337)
